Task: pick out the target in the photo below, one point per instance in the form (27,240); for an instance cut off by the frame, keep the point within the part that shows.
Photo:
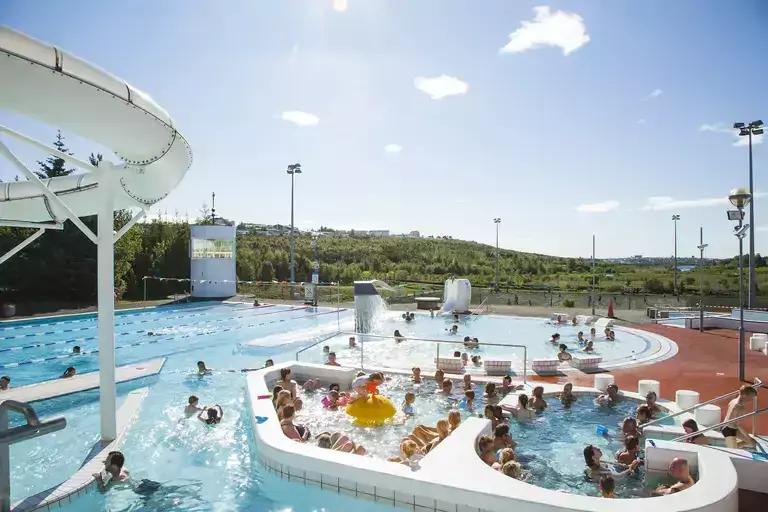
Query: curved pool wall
(441,483)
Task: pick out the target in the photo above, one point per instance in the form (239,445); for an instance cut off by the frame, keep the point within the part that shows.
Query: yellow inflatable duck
(371,410)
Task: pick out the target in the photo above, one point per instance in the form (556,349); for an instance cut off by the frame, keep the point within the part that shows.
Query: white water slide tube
(43,82)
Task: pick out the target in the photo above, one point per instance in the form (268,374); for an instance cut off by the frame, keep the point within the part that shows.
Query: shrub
(568,303)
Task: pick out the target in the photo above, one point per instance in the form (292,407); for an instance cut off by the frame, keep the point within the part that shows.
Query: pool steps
(82,481)
(83,382)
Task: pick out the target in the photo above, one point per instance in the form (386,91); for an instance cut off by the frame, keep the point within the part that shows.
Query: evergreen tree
(54,165)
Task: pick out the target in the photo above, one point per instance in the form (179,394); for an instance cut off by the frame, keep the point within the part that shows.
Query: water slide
(43,82)
(456,296)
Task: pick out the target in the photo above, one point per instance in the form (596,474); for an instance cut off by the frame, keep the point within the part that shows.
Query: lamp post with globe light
(496,221)
(740,198)
(293,170)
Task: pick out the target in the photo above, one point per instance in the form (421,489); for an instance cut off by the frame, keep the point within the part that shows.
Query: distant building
(377,233)
(414,234)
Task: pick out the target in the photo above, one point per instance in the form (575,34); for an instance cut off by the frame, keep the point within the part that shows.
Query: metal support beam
(48,149)
(35,225)
(129,224)
(105,269)
(31,176)
(34,236)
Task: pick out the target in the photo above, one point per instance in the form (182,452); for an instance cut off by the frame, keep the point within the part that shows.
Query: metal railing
(8,436)
(316,343)
(752,414)
(758,384)
(361,336)
(482,308)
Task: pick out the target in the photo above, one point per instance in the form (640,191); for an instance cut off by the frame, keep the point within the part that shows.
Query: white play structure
(456,296)
(46,83)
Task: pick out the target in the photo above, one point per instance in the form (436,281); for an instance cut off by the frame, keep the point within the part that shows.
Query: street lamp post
(592,300)
(747,130)
(496,221)
(740,198)
(315,271)
(701,248)
(293,170)
(676,218)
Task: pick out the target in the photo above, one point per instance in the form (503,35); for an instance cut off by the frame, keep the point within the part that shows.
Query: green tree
(55,166)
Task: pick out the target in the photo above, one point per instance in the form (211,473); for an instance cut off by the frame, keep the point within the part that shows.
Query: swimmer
(358,385)
(467,381)
(469,400)
(202,369)
(399,338)
(643,414)
(256,303)
(456,318)
(597,469)
(650,401)
(114,473)
(592,332)
(410,399)
(352,342)
(566,396)
(471,342)
(589,347)
(537,402)
(333,400)
(581,337)
(454,329)
(410,454)
(5,383)
(491,396)
(735,436)
(464,359)
(555,339)
(150,333)
(331,360)
(575,321)
(563,354)
(446,388)
(506,385)
(607,332)
(439,376)
(69,372)
(487,453)
(268,363)
(275,391)
(521,411)
(611,396)
(476,361)
(416,377)
(514,469)
(76,349)
(285,381)
(213,415)
(489,413)
(326,350)
(629,428)
(501,438)
(607,486)
(191,408)
(431,313)
(612,336)
(680,471)
(630,452)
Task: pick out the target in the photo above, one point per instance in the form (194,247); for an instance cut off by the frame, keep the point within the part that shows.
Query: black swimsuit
(729,431)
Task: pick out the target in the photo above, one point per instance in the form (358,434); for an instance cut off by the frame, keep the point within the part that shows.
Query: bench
(497,366)
(548,365)
(586,363)
(449,364)
(427,303)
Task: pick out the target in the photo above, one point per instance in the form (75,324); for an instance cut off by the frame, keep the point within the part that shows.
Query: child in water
(407,408)
(566,396)
(191,409)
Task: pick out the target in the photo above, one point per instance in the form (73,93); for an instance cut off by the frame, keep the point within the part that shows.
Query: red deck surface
(706,362)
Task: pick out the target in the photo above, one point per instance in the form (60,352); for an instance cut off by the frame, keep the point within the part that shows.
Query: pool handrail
(758,384)
(316,343)
(381,336)
(721,424)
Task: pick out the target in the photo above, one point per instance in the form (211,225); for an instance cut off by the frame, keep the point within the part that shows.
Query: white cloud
(340,5)
(641,121)
(562,29)
(439,87)
(300,118)
(654,94)
(737,141)
(463,200)
(670,203)
(603,207)
(393,148)
(761,228)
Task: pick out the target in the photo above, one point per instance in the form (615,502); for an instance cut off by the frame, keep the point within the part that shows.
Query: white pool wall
(441,484)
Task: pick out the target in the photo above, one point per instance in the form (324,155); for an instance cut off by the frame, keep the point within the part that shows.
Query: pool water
(534,333)
(201,467)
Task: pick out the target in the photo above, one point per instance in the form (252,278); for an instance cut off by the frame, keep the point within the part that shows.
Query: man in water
(76,349)
(69,372)
(5,383)
(113,473)
(607,486)
(192,408)
(202,369)
(332,359)
(611,396)
(680,471)
(352,343)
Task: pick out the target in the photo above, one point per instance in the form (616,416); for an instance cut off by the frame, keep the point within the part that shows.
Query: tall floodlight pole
(676,218)
(213,208)
(293,170)
(496,221)
(592,300)
(753,128)
(702,246)
(740,198)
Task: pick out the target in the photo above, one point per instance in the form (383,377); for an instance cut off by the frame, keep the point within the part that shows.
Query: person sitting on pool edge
(114,472)
(69,372)
(5,383)
(680,471)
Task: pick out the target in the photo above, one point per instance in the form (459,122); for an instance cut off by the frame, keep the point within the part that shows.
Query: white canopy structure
(43,82)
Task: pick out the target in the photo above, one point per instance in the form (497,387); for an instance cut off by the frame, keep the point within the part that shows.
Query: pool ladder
(8,436)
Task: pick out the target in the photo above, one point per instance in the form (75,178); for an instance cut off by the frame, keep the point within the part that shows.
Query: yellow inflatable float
(371,410)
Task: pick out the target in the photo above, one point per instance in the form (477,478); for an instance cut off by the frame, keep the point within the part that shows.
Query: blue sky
(583,117)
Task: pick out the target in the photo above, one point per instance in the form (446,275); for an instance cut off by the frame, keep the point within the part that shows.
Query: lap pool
(203,468)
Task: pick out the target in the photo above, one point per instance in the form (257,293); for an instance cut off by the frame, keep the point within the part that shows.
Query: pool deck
(86,381)
(705,362)
(82,481)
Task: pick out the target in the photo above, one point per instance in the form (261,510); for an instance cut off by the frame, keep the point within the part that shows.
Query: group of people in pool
(587,346)
(71,371)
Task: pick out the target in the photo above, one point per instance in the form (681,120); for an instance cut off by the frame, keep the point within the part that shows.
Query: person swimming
(680,471)
(76,349)
(213,415)
(191,408)
(554,339)
(454,329)
(399,338)
(566,396)
(69,372)
(410,399)
(202,369)
(589,347)
(562,354)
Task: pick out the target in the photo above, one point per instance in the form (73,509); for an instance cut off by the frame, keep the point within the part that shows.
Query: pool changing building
(212,261)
